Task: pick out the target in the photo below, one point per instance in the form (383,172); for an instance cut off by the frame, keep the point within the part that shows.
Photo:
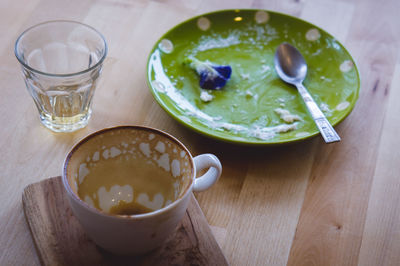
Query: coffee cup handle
(202,162)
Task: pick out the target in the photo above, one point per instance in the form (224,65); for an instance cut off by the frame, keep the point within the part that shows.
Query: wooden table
(302,204)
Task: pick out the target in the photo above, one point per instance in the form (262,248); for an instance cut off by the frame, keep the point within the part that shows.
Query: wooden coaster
(60,239)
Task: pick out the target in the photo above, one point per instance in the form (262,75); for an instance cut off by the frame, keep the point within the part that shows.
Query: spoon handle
(326,129)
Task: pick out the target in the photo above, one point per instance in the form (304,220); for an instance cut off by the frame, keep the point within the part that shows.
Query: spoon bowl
(292,67)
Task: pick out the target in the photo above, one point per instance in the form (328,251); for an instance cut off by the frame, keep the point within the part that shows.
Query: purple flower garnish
(212,76)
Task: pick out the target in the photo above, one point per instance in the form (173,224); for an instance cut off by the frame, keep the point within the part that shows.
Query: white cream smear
(145,149)
(83,172)
(286,115)
(163,162)
(155,204)
(109,199)
(114,152)
(96,156)
(206,97)
(160,147)
(176,168)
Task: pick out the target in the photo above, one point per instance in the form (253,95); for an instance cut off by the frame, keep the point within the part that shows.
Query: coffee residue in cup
(127,184)
(124,208)
(138,175)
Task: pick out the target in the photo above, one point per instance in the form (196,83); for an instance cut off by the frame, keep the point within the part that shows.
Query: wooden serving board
(60,239)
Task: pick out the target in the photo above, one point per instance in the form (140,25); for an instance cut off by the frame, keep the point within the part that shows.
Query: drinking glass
(61,63)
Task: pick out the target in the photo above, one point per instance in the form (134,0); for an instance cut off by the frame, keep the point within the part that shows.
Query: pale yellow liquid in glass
(66,105)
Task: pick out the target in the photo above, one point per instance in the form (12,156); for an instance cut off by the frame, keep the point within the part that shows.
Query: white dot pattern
(313,35)
(166,46)
(203,23)
(261,17)
(346,66)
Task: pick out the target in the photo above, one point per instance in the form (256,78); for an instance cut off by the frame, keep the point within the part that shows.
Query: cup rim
(17,55)
(75,197)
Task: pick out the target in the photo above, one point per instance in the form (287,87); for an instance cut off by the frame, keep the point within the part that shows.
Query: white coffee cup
(137,233)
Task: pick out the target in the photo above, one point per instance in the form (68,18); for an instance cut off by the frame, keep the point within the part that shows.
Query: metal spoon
(292,68)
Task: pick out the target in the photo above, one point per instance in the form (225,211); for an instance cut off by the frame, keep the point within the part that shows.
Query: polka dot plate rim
(248,110)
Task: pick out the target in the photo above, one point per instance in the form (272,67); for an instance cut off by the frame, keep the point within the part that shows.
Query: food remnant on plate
(270,132)
(302,134)
(205,96)
(258,130)
(212,76)
(265,68)
(285,128)
(286,115)
(326,79)
(324,107)
(249,94)
(245,76)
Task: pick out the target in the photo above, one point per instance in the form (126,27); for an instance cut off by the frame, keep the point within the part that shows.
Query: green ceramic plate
(246,110)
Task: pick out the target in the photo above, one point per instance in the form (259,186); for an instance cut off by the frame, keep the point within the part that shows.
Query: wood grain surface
(60,239)
(302,204)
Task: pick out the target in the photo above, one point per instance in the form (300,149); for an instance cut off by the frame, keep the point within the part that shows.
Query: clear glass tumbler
(61,63)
